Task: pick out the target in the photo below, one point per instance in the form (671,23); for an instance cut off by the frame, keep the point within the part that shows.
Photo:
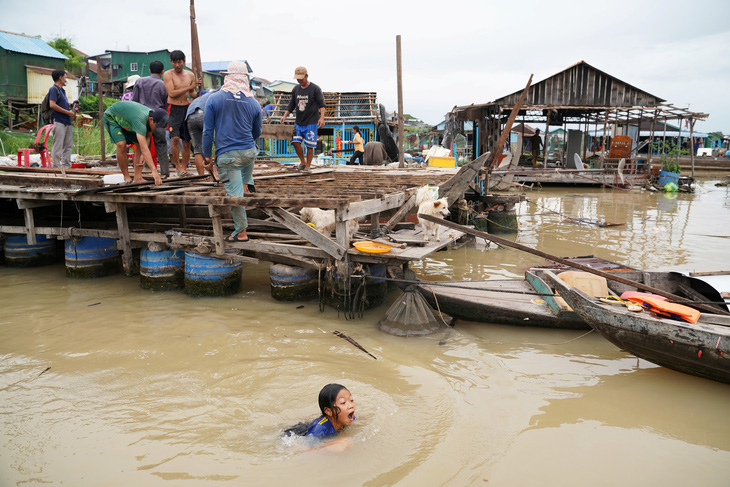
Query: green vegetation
(86,141)
(75,63)
(670,153)
(90,104)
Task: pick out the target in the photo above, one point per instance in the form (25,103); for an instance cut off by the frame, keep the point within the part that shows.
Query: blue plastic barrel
(19,253)
(292,283)
(376,289)
(162,270)
(210,276)
(2,251)
(91,257)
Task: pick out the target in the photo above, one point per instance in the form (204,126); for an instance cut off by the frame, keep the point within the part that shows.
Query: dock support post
(29,226)
(215,214)
(124,243)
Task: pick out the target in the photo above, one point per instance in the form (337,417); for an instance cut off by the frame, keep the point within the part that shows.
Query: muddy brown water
(103,383)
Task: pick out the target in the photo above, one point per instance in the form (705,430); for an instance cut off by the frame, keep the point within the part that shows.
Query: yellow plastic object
(312,225)
(588,283)
(371,247)
(442,161)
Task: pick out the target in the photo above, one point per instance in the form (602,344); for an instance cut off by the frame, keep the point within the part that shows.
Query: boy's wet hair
(327,397)
(156,67)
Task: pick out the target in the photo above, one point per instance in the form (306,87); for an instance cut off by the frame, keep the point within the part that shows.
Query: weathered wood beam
(306,232)
(29,226)
(215,214)
(123,241)
(360,209)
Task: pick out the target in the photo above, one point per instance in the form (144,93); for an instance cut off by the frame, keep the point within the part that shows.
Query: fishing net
(411,315)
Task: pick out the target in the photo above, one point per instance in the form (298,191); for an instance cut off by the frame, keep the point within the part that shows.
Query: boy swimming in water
(338,411)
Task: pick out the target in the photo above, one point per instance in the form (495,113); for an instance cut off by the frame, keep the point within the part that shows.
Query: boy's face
(346,404)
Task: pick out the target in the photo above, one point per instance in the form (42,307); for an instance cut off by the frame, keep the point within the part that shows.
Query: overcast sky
(454,52)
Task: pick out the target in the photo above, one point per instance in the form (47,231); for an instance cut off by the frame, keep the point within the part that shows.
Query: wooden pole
(692,143)
(508,126)
(101,109)
(559,260)
(401,157)
(197,64)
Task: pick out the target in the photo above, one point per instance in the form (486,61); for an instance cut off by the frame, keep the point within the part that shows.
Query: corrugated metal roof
(217,66)
(28,45)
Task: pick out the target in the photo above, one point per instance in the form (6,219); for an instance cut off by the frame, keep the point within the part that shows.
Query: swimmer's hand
(338,445)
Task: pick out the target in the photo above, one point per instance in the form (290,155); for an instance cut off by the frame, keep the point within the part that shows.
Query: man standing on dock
(63,136)
(307,103)
(535,146)
(129,122)
(150,91)
(179,84)
(232,120)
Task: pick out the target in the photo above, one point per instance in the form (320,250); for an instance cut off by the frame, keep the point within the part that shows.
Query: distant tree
(718,134)
(75,63)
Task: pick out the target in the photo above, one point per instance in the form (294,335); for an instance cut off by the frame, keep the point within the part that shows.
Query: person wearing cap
(307,103)
(232,120)
(129,122)
(63,116)
(150,91)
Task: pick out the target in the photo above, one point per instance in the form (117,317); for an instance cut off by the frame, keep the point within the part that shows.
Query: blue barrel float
(293,283)
(2,251)
(162,270)
(91,257)
(19,253)
(210,276)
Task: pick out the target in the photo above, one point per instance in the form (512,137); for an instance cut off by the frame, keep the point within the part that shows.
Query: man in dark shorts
(307,103)
(535,145)
(179,84)
(129,122)
(150,91)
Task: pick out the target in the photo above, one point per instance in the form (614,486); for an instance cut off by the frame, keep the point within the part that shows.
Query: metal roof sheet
(28,45)
(216,66)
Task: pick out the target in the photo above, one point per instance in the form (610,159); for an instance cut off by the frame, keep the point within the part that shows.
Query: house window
(133,67)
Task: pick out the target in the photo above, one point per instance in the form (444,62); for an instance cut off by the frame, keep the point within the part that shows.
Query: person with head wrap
(232,120)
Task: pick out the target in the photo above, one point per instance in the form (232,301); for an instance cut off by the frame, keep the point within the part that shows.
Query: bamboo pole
(559,260)
(401,156)
(195,54)
(508,126)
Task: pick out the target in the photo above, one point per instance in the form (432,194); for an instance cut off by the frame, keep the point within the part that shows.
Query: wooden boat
(524,302)
(701,349)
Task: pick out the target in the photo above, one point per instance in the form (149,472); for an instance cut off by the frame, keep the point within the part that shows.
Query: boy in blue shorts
(307,104)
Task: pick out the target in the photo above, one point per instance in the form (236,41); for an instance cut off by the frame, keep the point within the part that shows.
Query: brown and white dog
(324,221)
(428,206)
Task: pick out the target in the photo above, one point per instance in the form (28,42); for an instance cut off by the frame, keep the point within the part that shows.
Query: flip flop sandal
(231,238)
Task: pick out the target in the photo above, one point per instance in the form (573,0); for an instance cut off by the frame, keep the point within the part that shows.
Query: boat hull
(701,349)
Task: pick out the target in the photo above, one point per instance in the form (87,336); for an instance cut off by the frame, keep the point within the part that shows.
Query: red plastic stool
(45,156)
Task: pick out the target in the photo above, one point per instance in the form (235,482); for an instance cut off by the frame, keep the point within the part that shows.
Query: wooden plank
(306,232)
(43,180)
(361,209)
(24,204)
(277,131)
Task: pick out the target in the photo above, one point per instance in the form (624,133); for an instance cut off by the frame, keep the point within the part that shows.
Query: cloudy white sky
(454,52)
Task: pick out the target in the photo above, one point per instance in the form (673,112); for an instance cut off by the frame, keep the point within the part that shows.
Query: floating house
(577,99)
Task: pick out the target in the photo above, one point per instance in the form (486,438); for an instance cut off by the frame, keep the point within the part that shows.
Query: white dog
(428,206)
(324,221)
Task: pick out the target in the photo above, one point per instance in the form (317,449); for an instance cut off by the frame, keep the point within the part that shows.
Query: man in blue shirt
(232,119)
(63,136)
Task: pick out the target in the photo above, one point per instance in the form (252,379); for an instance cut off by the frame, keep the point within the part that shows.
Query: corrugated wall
(39,84)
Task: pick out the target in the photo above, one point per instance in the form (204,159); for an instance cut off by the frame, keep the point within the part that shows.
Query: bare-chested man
(179,85)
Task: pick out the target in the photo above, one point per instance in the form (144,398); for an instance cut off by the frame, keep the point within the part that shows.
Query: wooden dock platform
(193,212)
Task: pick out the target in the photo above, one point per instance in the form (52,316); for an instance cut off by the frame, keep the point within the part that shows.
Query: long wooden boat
(523,302)
(701,349)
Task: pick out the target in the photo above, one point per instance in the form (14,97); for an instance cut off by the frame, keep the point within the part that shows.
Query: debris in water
(94,304)
(46,370)
(345,337)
